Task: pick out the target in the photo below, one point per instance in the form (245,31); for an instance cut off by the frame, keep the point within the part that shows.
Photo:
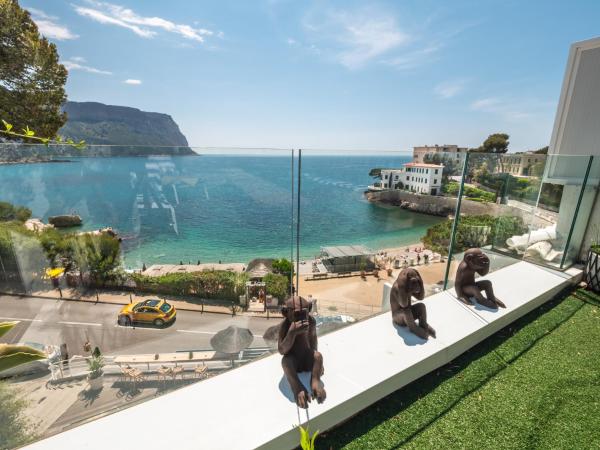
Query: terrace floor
(534,384)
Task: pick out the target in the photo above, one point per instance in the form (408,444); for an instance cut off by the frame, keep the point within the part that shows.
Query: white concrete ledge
(251,407)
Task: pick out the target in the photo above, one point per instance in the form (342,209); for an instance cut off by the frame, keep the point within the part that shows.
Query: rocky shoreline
(414,202)
(34,161)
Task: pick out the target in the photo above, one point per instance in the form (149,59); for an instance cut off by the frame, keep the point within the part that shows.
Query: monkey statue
(297,343)
(408,284)
(475,261)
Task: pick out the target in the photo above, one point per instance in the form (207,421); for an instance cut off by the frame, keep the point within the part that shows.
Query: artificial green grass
(535,384)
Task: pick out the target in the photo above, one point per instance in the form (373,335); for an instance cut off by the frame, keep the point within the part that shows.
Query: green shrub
(277,285)
(437,237)
(97,255)
(9,212)
(470,192)
(214,284)
(283,267)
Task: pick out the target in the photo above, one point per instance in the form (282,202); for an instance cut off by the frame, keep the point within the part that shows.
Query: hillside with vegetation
(125,127)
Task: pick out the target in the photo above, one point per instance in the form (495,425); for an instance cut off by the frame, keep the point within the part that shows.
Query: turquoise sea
(230,208)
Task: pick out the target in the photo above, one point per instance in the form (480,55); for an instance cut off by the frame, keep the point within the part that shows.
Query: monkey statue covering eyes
(410,284)
(475,261)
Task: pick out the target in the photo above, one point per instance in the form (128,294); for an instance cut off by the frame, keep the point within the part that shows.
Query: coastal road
(61,321)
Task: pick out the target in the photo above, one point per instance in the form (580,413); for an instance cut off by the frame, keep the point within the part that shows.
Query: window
(407,178)
(436,171)
(435,181)
(386,177)
(426,170)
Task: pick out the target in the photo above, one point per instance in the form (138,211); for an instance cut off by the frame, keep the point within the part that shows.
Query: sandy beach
(352,294)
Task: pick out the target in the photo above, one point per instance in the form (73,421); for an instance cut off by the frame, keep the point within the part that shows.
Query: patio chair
(137,374)
(164,372)
(177,370)
(125,373)
(200,371)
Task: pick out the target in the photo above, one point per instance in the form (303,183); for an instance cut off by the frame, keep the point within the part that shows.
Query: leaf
(306,441)
(7,125)
(58,138)
(312,441)
(15,355)
(5,327)
(28,132)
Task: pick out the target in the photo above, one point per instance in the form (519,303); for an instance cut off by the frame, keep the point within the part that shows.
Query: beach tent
(347,258)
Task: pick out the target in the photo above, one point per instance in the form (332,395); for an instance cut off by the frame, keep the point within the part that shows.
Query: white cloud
(414,58)
(75,64)
(132,81)
(512,109)
(146,27)
(48,26)
(356,37)
(449,89)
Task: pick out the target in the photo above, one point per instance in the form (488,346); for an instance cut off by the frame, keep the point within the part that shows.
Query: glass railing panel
(363,218)
(207,231)
(562,211)
(575,250)
(497,203)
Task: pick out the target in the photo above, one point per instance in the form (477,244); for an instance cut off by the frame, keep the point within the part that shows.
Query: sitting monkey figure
(408,284)
(298,344)
(466,286)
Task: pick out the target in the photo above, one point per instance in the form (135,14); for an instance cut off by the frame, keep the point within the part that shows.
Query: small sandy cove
(358,291)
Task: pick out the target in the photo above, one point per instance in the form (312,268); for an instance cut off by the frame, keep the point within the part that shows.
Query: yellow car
(155,311)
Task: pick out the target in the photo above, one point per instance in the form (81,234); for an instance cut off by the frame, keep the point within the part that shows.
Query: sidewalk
(123,298)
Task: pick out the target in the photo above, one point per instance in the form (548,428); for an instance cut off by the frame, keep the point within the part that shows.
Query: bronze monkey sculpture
(475,261)
(410,284)
(298,344)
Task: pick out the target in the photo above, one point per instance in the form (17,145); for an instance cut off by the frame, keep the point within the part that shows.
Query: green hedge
(213,284)
(437,237)
(470,192)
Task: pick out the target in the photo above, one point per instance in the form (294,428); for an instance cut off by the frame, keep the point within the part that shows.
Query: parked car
(155,311)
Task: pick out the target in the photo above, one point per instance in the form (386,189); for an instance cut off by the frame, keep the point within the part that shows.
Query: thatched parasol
(271,336)
(232,340)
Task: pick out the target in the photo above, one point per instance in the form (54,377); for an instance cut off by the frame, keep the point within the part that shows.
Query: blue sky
(332,75)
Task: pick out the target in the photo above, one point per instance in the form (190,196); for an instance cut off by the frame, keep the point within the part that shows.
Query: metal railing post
(456,219)
(574,219)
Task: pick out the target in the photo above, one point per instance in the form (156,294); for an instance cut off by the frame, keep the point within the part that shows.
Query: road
(58,321)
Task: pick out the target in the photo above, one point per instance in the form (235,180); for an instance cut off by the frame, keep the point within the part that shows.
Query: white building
(446,152)
(413,177)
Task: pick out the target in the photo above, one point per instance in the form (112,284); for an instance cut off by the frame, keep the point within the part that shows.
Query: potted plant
(95,366)
(592,267)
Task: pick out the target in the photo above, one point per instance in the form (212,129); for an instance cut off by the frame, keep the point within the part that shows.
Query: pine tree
(31,78)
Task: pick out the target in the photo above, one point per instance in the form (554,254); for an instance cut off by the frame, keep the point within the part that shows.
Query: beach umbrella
(271,336)
(54,273)
(232,340)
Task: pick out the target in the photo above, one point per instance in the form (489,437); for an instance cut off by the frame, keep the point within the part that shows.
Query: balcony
(224,237)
